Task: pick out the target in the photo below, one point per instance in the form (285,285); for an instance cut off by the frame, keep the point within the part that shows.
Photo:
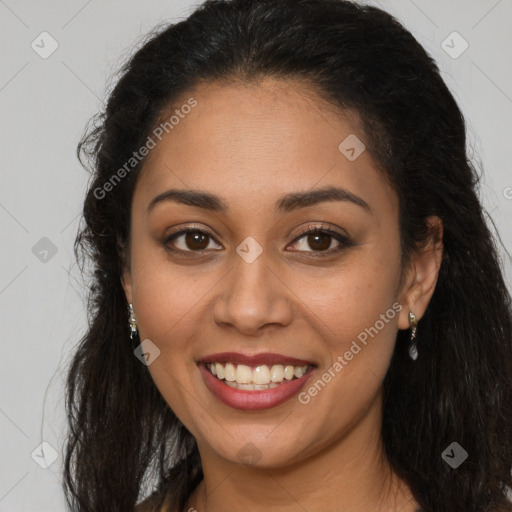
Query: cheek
(354,297)
(163,294)
(166,305)
(356,316)
(356,319)
(168,302)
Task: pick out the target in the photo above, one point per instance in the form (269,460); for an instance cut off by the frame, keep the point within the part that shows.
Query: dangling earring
(413,350)
(132,323)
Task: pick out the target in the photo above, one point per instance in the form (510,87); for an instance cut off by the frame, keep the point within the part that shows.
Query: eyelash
(342,239)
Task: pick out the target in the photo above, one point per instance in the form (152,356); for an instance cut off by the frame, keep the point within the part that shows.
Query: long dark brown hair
(123,437)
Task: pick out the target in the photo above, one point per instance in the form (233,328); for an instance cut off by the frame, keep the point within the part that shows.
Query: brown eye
(189,240)
(196,240)
(319,241)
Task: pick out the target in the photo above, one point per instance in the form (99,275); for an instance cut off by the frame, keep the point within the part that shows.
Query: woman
(296,301)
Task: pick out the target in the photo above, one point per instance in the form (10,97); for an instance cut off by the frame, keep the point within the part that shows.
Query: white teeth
(261,375)
(251,387)
(229,372)
(288,372)
(242,376)
(219,370)
(277,373)
(299,371)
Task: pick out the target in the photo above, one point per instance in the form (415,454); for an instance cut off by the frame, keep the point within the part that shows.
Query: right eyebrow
(197,198)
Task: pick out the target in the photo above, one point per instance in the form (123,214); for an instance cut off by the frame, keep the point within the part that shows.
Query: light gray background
(44,107)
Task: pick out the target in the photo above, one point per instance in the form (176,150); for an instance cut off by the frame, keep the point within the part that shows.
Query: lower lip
(253,400)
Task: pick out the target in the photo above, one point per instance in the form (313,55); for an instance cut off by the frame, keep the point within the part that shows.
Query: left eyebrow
(287,203)
(296,200)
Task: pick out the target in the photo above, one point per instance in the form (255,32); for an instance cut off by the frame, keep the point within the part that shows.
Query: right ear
(126,278)
(126,281)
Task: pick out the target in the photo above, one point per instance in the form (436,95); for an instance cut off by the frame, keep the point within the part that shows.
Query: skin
(252,144)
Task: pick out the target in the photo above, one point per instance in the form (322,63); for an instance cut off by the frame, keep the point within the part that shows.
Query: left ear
(421,275)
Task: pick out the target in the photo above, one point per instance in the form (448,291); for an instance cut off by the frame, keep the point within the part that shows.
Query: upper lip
(266,358)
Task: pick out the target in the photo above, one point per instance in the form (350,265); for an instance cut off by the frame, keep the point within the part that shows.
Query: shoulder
(146,506)
(150,504)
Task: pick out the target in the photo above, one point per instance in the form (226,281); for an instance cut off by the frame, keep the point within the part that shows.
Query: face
(238,273)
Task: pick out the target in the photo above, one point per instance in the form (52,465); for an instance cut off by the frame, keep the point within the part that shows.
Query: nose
(252,297)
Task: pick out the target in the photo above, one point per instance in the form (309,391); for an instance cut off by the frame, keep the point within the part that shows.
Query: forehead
(253,143)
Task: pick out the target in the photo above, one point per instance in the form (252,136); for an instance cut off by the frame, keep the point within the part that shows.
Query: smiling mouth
(257,378)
